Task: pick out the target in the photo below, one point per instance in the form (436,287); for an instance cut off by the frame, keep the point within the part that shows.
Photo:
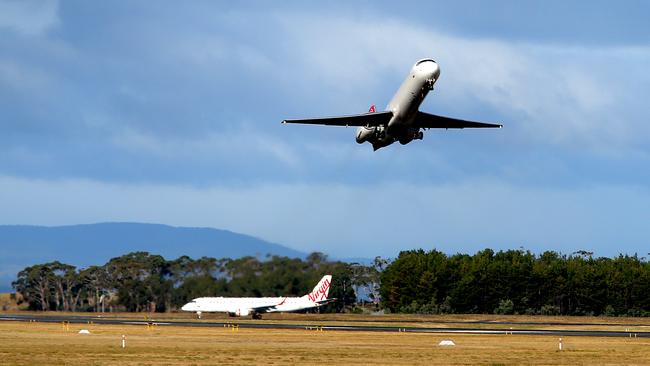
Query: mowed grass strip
(49,344)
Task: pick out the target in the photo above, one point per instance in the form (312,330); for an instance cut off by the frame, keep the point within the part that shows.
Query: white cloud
(567,96)
(557,96)
(29,17)
(245,143)
(22,78)
(574,98)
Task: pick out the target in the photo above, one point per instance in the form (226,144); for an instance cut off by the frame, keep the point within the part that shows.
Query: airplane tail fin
(322,289)
(372,109)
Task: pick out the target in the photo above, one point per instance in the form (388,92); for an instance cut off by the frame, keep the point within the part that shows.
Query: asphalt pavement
(330,326)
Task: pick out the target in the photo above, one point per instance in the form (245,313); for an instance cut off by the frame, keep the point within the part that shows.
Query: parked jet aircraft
(255,306)
(401,121)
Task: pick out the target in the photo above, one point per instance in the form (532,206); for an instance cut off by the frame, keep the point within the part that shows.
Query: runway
(328,326)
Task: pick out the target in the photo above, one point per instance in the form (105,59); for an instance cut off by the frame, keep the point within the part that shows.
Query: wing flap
(262,309)
(426,120)
(266,307)
(365,119)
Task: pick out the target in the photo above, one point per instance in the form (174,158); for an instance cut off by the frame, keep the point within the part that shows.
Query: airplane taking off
(401,121)
(255,306)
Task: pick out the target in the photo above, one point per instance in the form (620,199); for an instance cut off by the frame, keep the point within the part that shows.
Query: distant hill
(95,244)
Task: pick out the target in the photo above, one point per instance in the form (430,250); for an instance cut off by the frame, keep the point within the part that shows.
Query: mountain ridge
(83,245)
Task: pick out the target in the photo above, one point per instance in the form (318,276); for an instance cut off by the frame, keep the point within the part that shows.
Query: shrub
(609,311)
(549,310)
(506,307)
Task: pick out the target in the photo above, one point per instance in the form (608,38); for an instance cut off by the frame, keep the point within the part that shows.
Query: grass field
(9,303)
(49,344)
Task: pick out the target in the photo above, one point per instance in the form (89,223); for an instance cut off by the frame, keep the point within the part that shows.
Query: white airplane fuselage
(244,306)
(404,105)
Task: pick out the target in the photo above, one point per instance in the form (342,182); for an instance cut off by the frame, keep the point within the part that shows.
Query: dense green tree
(35,284)
(517,281)
(512,281)
(96,285)
(140,280)
(67,286)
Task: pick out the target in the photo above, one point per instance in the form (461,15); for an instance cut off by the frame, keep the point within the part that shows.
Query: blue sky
(135,111)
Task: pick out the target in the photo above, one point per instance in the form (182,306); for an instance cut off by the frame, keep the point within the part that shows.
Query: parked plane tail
(320,292)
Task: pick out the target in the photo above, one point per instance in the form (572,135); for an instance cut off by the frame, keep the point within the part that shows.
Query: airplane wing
(426,120)
(262,309)
(365,119)
(267,307)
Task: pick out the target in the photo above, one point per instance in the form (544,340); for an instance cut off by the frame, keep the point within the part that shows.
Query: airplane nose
(436,71)
(428,68)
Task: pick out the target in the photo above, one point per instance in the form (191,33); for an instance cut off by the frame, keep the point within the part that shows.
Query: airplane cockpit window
(424,60)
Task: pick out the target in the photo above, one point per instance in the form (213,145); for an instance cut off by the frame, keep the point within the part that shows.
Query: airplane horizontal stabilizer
(326,301)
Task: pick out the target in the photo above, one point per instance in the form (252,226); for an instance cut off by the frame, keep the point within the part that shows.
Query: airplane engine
(410,135)
(366,134)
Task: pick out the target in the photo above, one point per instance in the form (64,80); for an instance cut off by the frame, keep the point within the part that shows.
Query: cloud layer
(108,108)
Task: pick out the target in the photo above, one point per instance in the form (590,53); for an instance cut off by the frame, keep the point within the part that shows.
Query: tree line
(417,281)
(516,282)
(141,281)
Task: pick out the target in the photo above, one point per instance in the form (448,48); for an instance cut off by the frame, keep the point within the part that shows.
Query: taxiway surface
(330,326)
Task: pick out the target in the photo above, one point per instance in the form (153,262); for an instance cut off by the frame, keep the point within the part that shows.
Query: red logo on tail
(372,109)
(320,293)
